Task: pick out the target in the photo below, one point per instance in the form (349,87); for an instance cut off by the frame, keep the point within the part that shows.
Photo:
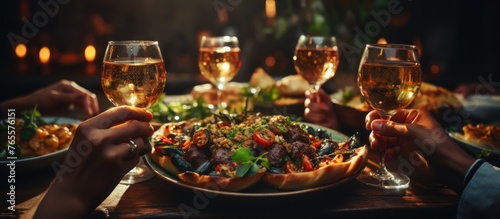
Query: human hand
(99,156)
(56,99)
(319,110)
(420,140)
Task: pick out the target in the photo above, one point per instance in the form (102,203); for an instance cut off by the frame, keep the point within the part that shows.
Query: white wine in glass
(316,59)
(133,74)
(219,61)
(389,78)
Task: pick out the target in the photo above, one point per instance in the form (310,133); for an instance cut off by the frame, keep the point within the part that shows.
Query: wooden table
(158,198)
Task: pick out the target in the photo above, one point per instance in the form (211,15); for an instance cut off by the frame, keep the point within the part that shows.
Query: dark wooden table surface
(158,198)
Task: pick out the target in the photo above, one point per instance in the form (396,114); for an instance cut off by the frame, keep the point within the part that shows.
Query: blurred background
(47,40)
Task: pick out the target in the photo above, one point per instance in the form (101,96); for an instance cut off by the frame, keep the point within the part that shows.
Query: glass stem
(314,91)
(220,87)
(382,172)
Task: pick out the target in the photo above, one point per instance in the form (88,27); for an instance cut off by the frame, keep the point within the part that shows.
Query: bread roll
(293,86)
(261,79)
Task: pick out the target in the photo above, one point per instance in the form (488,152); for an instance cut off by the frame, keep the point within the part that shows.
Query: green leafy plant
(248,164)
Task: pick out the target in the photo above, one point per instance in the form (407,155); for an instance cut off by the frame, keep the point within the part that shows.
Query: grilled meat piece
(196,155)
(275,153)
(299,148)
(222,156)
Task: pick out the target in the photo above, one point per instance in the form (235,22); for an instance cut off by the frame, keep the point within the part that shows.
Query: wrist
(452,165)
(63,201)
(18,103)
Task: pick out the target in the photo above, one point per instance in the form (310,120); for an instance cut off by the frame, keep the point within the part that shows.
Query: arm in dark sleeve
(481,196)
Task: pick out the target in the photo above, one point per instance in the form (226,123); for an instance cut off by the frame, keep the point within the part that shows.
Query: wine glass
(219,62)
(133,74)
(316,59)
(389,77)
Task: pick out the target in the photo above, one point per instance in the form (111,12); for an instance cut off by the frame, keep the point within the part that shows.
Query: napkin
(106,207)
(109,204)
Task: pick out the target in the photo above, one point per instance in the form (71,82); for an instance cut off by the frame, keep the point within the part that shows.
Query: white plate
(30,164)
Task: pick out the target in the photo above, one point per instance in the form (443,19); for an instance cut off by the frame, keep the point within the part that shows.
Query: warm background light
(44,55)
(270,61)
(434,69)
(382,41)
(90,53)
(270,8)
(21,50)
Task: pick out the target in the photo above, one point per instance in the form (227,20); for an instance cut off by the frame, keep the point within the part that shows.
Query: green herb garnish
(248,164)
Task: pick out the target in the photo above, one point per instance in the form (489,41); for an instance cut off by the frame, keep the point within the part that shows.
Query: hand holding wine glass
(219,62)
(389,78)
(316,59)
(134,74)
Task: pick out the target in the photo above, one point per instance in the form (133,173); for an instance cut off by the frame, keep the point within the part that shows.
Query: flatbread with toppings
(234,152)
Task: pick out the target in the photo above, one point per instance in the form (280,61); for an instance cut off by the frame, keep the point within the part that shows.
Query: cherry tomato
(201,138)
(316,142)
(222,124)
(277,128)
(307,165)
(186,143)
(263,137)
(166,140)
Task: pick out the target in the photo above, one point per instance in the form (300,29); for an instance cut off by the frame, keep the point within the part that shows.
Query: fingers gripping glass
(133,74)
(389,78)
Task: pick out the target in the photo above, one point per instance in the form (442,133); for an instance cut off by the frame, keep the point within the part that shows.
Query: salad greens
(179,111)
(265,97)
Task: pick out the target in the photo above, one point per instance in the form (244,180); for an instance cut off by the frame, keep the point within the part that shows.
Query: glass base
(396,181)
(139,173)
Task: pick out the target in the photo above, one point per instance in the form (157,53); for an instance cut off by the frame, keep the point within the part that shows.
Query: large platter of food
(35,142)
(254,155)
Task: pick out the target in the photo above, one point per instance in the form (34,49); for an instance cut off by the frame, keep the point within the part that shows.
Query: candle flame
(90,53)
(21,50)
(44,55)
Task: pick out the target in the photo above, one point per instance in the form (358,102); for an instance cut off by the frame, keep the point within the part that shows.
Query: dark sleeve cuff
(472,170)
